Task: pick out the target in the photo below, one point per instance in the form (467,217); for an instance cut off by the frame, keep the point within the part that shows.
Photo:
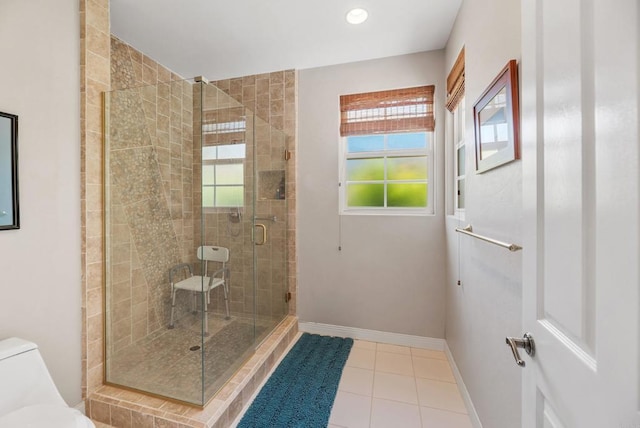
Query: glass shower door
(226,183)
(270,227)
(149,229)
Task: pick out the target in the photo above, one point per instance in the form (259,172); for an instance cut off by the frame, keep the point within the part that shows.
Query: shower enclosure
(187,165)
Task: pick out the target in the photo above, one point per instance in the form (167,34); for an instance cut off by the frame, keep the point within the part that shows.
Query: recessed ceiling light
(357,16)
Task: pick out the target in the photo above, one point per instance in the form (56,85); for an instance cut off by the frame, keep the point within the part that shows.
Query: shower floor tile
(109,401)
(171,362)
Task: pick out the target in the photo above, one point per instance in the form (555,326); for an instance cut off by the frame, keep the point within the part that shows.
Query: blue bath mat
(301,391)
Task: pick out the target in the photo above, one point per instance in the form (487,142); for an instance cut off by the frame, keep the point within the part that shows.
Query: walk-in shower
(187,165)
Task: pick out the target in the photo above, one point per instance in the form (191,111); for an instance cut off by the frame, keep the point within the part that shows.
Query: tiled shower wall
(94,74)
(152,142)
(150,189)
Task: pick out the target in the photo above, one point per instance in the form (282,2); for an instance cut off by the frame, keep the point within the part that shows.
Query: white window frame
(459,142)
(428,151)
(227,161)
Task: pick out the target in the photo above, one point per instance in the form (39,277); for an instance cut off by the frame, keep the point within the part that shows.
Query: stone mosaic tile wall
(150,206)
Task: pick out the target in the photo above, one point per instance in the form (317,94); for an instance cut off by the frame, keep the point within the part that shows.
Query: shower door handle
(264,233)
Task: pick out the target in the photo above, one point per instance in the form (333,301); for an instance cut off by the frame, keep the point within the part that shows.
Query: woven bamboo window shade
(386,112)
(455,83)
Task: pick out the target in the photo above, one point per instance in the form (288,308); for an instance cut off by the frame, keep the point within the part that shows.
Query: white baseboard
(373,335)
(473,415)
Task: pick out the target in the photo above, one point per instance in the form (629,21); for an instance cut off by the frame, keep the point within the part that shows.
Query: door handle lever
(525,343)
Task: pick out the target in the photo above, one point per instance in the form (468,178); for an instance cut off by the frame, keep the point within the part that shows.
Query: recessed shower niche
(271,185)
(186,165)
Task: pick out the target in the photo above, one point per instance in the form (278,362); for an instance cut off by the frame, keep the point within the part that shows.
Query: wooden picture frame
(496,118)
(9,211)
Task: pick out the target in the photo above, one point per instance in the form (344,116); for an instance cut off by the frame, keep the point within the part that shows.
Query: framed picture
(9,212)
(496,121)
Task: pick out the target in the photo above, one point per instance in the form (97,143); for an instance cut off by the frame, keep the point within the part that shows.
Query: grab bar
(469,231)
(272,218)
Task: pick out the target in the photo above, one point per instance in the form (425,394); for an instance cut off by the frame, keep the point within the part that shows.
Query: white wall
(40,294)
(389,275)
(487,307)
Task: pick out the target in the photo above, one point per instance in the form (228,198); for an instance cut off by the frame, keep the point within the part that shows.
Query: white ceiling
(222,39)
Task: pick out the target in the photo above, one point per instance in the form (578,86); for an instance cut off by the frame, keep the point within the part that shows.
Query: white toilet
(28,396)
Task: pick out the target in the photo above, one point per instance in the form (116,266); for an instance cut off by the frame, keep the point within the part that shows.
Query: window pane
(461,194)
(407,195)
(365,169)
(229,173)
(232,151)
(409,168)
(207,196)
(365,195)
(209,153)
(415,140)
(229,196)
(461,164)
(208,174)
(365,143)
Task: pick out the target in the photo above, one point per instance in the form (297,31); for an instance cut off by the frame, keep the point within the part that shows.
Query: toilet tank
(24,378)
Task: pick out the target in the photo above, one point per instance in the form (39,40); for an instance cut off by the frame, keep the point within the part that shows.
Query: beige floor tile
(357,381)
(362,358)
(435,418)
(394,363)
(430,368)
(351,410)
(439,395)
(396,349)
(389,414)
(363,344)
(428,353)
(395,387)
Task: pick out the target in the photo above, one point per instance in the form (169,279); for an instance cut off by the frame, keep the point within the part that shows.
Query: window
(223,175)
(387,171)
(455,104)
(387,152)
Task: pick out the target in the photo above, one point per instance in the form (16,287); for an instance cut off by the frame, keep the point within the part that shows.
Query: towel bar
(469,231)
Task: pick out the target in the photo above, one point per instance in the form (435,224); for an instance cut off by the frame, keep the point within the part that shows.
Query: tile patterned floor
(388,386)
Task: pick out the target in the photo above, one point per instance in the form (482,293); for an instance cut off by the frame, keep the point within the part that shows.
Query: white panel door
(580,85)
